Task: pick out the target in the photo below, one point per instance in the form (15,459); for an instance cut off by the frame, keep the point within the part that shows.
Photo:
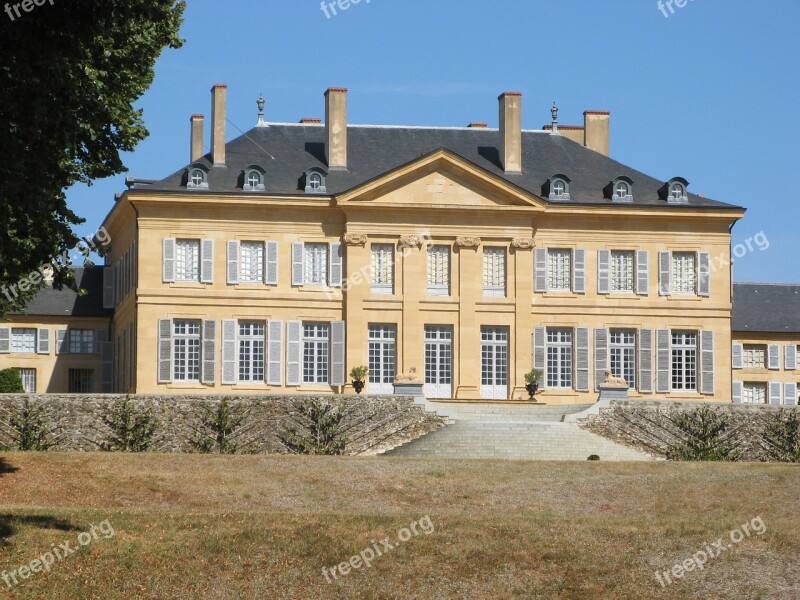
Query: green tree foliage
(69,75)
(10,382)
(321,430)
(781,436)
(705,434)
(30,428)
(222,430)
(132,429)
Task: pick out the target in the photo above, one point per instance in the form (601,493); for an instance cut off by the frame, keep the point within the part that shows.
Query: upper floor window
(23,340)
(315,181)
(251,262)
(382,268)
(253,179)
(438,270)
(754,356)
(494,272)
(81,341)
(674,191)
(621,271)
(620,190)
(684,272)
(559,269)
(197,177)
(187,260)
(557,188)
(316,263)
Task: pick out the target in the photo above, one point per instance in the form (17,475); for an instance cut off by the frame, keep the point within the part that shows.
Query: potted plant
(532,378)
(358,375)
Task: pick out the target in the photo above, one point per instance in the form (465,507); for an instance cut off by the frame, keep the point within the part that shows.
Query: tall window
(623,355)
(559,358)
(621,271)
(28,377)
(186,350)
(559,270)
(755,356)
(316,337)
(382,268)
(438,361)
(81,341)
(494,362)
(251,262)
(439,270)
(23,340)
(251,351)
(754,393)
(684,360)
(494,272)
(316,264)
(683,272)
(81,381)
(382,352)
(187,260)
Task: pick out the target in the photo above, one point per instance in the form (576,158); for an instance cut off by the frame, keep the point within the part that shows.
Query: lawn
(213,527)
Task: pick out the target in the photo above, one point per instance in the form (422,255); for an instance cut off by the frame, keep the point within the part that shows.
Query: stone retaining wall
(371,424)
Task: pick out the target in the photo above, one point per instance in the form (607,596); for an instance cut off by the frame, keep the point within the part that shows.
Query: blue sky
(710,93)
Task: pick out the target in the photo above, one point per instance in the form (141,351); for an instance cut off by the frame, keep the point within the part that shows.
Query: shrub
(132,429)
(781,436)
(533,376)
(358,373)
(321,435)
(11,382)
(593,457)
(30,428)
(704,434)
(220,431)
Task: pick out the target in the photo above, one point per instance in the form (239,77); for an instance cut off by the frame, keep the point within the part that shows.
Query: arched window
(315,181)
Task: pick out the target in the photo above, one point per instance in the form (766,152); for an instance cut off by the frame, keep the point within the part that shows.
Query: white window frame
(23,340)
(251,351)
(754,392)
(81,341)
(187,259)
(382,268)
(382,353)
(750,355)
(622,354)
(684,357)
(684,273)
(438,270)
(494,272)
(252,255)
(495,351)
(559,270)
(186,350)
(438,361)
(28,377)
(560,357)
(315,263)
(622,272)
(316,353)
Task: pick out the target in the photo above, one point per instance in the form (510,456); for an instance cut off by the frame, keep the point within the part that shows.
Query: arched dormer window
(557,188)
(620,190)
(197,177)
(315,181)
(252,179)
(674,191)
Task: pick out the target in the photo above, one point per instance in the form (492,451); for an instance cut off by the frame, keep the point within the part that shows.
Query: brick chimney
(336,127)
(511,131)
(219,101)
(196,145)
(596,130)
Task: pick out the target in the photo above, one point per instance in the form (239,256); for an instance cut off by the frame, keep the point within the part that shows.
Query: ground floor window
(186,350)
(623,355)
(438,361)
(494,362)
(81,381)
(382,357)
(684,361)
(316,344)
(559,358)
(28,377)
(754,393)
(251,350)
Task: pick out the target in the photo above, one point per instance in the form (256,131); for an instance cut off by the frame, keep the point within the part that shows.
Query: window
(559,270)
(81,381)
(254,179)
(677,192)
(754,393)
(186,350)
(621,271)
(494,272)
(683,272)
(187,260)
(316,338)
(684,361)
(382,352)
(23,340)
(622,190)
(559,358)
(439,270)
(251,262)
(316,264)
(28,377)
(754,356)
(623,355)
(558,188)
(382,268)
(81,341)
(251,351)
(197,178)
(438,361)
(494,363)
(315,181)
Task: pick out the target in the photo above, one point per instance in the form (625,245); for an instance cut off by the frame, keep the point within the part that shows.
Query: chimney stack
(511,131)
(596,130)
(196,146)
(219,100)
(336,127)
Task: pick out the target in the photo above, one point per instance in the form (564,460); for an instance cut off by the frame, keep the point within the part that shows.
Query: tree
(781,436)
(704,435)
(321,433)
(10,382)
(69,75)
(224,430)
(130,429)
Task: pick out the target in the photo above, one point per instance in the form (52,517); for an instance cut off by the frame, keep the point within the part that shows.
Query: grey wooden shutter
(643,272)
(233,261)
(775,392)
(579,271)
(790,357)
(168,260)
(338,352)
(294,354)
(603,271)
(209,371)
(207,261)
(737,392)
(737,356)
(100,336)
(664,273)
(707,362)
(703,274)
(540,352)
(540,280)
(229,370)
(773,357)
(108,287)
(582,359)
(5,340)
(271,274)
(164,350)
(43,341)
(600,356)
(62,342)
(107,367)
(335,276)
(790,394)
(298,263)
(275,353)
(662,361)
(646,361)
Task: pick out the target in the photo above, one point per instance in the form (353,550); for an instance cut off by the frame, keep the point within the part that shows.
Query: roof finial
(261,102)
(554,112)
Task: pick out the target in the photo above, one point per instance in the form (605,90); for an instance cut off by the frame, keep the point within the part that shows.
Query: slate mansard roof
(66,303)
(287,151)
(766,307)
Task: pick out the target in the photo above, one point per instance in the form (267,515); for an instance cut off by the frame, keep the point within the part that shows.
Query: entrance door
(494,363)
(438,361)
(382,358)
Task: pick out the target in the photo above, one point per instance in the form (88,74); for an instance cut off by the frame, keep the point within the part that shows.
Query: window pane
(755,393)
(559,270)
(23,340)
(683,272)
(621,271)
(623,355)
(439,269)
(755,356)
(382,351)
(187,260)
(316,264)
(28,377)
(382,266)
(315,352)
(494,270)
(684,360)
(251,350)
(438,354)
(559,358)
(186,350)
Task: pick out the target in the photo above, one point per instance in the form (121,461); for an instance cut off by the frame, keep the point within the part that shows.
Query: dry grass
(264,527)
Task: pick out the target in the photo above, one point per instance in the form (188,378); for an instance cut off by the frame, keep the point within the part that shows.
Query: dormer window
(557,188)
(253,179)
(620,190)
(315,181)
(677,192)
(197,178)
(674,191)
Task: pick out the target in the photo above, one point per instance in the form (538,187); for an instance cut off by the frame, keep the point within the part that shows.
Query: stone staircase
(496,430)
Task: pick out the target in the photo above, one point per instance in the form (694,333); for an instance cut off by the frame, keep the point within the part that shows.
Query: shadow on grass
(9,524)
(6,467)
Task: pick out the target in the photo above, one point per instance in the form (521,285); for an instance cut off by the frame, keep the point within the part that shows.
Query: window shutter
(338,353)
(646,361)
(168,260)
(775,392)
(294,355)
(643,272)
(790,394)
(582,359)
(664,273)
(100,336)
(229,370)
(207,261)
(233,262)
(275,353)
(603,271)
(579,271)
(539,352)
(790,357)
(600,356)
(107,367)
(335,275)
(271,275)
(5,340)
(737,356)
(62,342)
(298,263)
(43,341)
(662,360)
(773,357)
(703,274)
(707,362)
(540,284)
(164,350)
(209,371)
(736,392)
(108,287)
